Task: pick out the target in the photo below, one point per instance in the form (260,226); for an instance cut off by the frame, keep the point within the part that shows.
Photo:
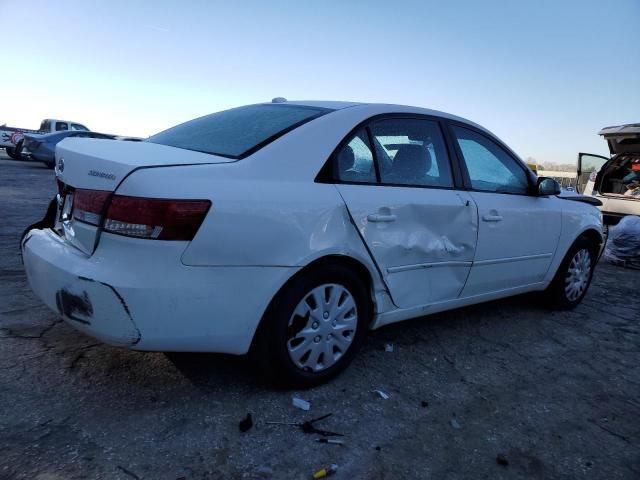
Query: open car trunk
(620,177)
(623,138)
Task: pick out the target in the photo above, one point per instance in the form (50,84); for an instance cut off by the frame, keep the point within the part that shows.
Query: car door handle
(492,218)
(377,217)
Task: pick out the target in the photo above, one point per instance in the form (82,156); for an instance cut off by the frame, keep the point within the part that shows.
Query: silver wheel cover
(578,275)
(322,327)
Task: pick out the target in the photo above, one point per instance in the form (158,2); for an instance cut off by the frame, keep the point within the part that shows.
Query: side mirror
(548,186)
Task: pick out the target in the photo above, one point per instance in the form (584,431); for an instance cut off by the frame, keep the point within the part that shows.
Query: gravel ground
(556,394)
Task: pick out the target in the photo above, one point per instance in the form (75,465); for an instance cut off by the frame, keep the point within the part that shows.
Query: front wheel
(574,275)
(314,326)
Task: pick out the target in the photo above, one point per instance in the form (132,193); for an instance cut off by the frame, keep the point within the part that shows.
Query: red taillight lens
(155,218)
(88,205)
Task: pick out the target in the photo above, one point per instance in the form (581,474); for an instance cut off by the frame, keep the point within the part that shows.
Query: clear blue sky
(543,75)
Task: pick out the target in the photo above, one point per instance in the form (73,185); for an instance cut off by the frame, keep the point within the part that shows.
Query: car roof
(383,107)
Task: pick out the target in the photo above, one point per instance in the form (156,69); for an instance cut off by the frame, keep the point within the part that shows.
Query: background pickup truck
(11,138)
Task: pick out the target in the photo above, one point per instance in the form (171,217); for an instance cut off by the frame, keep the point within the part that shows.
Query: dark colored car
(43,147)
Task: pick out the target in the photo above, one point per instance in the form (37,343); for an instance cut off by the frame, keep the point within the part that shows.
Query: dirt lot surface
(557,394)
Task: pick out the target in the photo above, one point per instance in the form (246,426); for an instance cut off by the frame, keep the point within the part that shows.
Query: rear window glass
(237,132)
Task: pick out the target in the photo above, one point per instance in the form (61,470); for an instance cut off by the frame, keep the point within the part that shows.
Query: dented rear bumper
(58,273)
(137,294)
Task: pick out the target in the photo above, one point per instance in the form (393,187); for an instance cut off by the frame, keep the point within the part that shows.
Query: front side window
(77,126)
(60,126)
(354,161)
(490,168)
(411,152)
(237,132)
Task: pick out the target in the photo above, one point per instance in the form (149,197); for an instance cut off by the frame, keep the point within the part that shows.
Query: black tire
(557,292)
(11,151)
(271,344)
(18,150)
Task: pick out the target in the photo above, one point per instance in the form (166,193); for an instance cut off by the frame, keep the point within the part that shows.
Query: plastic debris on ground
(382,394)
(325,472)
(424,404)
(388,347)
(333,441)
(246,423)
(502,460)
(301,404)
(309,426)
(623,245)
(455,424)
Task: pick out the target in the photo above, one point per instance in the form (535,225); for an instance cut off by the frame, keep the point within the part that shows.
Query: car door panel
(422,239)
(518,231)
(517,249)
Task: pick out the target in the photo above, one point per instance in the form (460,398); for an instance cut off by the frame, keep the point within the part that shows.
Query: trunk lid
(622,138)
(102,164)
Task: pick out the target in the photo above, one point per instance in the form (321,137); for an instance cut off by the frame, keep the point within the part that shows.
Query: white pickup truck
(11,137)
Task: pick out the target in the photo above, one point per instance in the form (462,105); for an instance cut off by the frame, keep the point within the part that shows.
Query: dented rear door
(423,239)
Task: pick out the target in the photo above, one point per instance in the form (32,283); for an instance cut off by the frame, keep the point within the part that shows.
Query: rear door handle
(492,218)
(377,217)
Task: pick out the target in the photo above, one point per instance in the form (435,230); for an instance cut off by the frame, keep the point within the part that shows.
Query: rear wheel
(574,275)
(11,151)
(314,327)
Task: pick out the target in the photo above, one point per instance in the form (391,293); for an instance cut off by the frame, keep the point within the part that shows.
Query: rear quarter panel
(254,221)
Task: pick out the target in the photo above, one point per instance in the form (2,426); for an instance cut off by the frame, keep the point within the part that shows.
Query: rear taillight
(161,219)
(155,218)
(88,205)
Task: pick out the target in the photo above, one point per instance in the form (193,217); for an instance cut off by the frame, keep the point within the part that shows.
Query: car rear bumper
(137,294)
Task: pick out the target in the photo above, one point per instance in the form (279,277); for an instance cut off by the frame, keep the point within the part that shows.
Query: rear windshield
(238,132)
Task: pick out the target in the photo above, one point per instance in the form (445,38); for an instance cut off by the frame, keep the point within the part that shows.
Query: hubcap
(322,327)
(578,275)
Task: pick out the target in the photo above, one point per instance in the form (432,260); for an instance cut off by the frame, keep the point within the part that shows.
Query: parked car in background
(614,180)
(290,229)
(11,138)
(42,148)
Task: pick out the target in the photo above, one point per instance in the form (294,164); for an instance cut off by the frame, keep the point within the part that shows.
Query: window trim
(327,175)
(466,179)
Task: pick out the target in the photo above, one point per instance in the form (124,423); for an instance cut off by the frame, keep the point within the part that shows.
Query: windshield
(238,132)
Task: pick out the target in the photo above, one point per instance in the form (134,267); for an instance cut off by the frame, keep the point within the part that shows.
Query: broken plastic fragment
(388,347)
(301,404)
(334,441)
(455,424)
(382,394)
(325,472)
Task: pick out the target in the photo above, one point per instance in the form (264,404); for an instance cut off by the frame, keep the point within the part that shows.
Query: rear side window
(411,152)
(354,161)
(237,132)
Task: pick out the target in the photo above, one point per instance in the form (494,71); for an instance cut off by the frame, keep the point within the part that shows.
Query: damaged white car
(290,229)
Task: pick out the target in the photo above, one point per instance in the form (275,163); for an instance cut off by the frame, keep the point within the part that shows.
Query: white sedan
(289,229)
